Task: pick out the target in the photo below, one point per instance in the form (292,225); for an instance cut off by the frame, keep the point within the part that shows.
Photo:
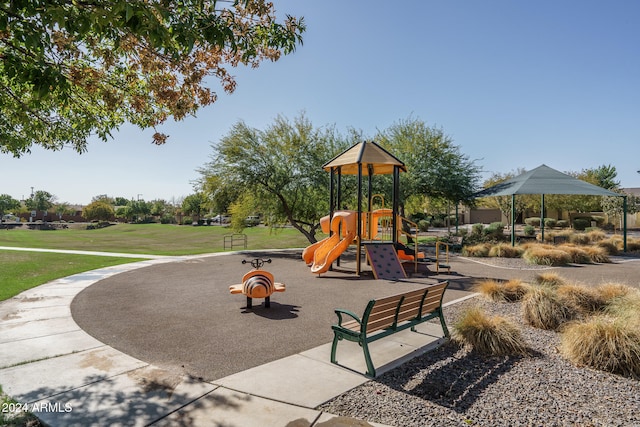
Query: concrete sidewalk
(68,378)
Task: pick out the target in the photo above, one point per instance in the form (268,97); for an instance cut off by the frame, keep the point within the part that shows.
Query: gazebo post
(624,222)
(542,219)
(513,219)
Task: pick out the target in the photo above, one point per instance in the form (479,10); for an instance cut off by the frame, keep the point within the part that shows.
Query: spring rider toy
(257,283)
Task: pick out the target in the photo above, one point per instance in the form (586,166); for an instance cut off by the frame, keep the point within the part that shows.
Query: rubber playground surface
(181,316)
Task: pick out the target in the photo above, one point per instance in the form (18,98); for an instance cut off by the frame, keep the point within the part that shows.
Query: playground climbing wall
(384,261)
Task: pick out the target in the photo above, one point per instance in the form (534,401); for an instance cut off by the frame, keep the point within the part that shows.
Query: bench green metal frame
(386,316)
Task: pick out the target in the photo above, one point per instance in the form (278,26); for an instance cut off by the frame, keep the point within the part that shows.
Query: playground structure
(257,283)
(361,227)
(342,229)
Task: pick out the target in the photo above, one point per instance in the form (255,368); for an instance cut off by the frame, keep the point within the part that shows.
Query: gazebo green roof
(544,180)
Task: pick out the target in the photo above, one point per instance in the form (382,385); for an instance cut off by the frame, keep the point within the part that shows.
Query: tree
(7,204)
(194,205)
(138,210)
(280,167)
(120,201)
(435,166)
(62,209)
(614,206)
(98,210)
(72,69)
(40,201)
(602,176)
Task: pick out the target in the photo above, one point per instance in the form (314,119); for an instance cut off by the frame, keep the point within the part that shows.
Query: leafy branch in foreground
(73,69)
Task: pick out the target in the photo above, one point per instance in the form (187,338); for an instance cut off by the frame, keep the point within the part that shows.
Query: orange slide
(324,252)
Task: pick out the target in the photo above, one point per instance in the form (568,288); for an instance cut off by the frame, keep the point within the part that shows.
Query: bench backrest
(389,311)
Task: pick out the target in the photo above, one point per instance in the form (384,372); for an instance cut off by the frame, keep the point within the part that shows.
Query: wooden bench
(387,316)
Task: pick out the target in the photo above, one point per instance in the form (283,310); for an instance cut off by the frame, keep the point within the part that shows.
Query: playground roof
(374,159)
(544,180)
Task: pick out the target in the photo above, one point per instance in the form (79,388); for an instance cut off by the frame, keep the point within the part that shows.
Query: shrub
(563,223)
(543,256)
(529,230)
(505,250)
(581,223)
(532,221)
(603,343)
(550,222)
(542,308)
(513,290)
(489,335)
(477,229)
(481,250)
(423,225)
(495,230)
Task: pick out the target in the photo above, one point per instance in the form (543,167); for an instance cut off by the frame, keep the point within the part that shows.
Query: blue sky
(515,84)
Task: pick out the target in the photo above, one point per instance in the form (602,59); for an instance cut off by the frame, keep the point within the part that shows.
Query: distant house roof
(632,190)
(544,180)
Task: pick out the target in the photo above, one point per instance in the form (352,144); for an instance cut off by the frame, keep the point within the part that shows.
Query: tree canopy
(71,70)
(279,170)
(435,166)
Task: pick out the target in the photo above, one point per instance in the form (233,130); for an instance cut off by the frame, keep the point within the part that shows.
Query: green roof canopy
(544,180)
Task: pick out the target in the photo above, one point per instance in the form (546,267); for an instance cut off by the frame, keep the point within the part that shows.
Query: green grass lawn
(157,239)
(24,270)
(20,271)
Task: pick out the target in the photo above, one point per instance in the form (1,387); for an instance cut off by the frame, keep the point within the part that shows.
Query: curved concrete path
(68,377)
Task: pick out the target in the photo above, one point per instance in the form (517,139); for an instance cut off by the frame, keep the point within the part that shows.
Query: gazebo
(545,180)
(364,159)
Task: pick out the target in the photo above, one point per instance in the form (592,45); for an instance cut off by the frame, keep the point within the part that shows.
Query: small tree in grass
(99,211)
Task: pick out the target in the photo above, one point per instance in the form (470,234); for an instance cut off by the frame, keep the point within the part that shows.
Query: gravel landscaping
(453,386)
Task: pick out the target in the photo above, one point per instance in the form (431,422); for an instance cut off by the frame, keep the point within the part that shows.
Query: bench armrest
(340,312)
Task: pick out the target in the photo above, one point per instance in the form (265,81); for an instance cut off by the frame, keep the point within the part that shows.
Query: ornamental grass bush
(542,308)
(577,254)
(549,279)
(489,335)
(512,290)
(603,342)
(505,250)
(481,250)
(543,256)
(582,299)
(626,308)
(609,245)
(579,238)
(611,341)
(611,291)
(597,254)
(596,235)
(633,245)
